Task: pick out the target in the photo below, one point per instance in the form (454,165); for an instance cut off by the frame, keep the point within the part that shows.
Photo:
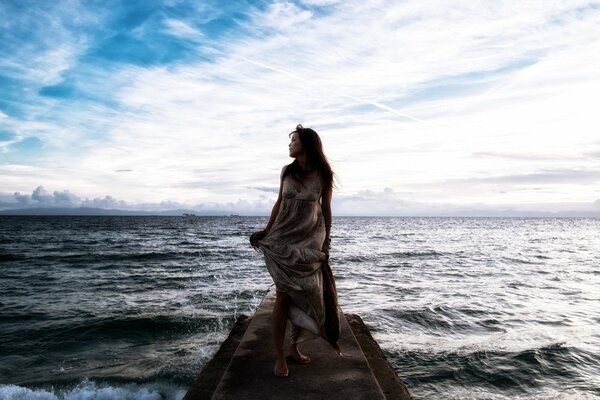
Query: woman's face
(295,145)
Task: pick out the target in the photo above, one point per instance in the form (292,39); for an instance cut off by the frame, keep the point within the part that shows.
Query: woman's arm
(275,210)
(326,208)
(256,236)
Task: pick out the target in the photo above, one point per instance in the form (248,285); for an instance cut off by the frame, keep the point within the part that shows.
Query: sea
(132,308)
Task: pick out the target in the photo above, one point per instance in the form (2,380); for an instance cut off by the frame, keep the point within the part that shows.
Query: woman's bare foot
(295,353)
(281,368)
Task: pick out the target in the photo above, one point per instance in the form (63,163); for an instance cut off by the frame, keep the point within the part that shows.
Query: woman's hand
(256,236)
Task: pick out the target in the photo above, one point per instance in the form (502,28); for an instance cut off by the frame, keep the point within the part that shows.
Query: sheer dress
(292,252)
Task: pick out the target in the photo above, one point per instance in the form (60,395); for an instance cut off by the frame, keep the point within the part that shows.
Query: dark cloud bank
(365,203)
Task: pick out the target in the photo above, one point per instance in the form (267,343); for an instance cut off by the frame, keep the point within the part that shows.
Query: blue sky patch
(157,49)
(28,145)
(62,90)
(6,136)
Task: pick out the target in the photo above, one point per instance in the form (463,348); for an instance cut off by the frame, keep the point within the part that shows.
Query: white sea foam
(90,390)
(550,394)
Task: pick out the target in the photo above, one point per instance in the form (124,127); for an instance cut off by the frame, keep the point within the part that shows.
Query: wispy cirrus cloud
(195,102)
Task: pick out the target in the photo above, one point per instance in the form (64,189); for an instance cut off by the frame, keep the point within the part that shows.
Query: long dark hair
(311,143)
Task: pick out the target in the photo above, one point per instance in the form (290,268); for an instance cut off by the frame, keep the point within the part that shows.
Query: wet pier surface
(243,366)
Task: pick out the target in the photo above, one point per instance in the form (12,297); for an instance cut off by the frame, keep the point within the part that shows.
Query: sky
(424,107)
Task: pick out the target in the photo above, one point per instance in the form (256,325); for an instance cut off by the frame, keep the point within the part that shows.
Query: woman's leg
(279,316)
(294,351)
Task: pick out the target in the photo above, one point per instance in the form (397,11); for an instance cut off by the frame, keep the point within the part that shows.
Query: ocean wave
(432,319)
(354,259)
(146,326)
(409,254)
(157,255)
(93,257)
(88,389)
(141,329)
(486,394)
(519,373)
(8,257)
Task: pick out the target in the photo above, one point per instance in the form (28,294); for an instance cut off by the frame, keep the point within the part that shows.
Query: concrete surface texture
(247,372)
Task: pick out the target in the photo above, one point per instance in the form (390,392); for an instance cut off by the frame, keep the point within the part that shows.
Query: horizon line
(103,212)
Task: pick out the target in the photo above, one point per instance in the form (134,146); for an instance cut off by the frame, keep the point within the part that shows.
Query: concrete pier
(243,366)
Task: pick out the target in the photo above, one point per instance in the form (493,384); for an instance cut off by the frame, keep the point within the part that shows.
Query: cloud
(538,178)
(386,202)
(194,102)
(42,198)
(389,203)
(320,2)
(22,199)
(39,42)
(182,29)
(268,189)
(41,195)
(594,154)
(517,156)
(106,202)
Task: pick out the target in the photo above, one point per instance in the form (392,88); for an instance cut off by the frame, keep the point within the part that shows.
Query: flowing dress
(292,251)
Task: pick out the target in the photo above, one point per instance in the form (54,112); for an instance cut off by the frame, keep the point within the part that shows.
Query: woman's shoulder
(284,169)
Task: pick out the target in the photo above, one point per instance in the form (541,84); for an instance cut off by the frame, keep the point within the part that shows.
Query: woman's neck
(304,163)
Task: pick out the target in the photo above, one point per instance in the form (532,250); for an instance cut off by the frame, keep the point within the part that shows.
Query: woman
(296,244)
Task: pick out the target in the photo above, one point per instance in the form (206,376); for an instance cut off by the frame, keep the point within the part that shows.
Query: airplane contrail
(358,99)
